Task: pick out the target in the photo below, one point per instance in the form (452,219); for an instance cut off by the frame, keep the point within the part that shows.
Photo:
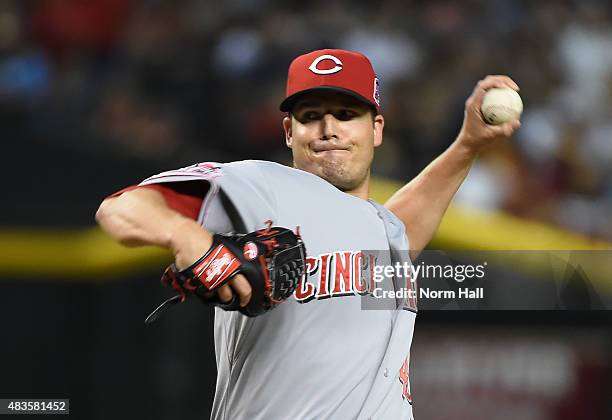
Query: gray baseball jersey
(320,355)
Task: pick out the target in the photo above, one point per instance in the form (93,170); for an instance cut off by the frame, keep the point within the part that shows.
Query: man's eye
(346,114)
(310,115)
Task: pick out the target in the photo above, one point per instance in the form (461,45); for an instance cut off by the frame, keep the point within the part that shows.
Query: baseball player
(318,355)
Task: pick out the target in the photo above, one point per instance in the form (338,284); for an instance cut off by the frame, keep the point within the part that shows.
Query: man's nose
(329,127)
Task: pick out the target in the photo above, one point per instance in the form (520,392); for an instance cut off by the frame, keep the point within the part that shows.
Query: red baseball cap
(340,70)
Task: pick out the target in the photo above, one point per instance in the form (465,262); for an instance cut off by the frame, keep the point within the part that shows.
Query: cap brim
(290,101)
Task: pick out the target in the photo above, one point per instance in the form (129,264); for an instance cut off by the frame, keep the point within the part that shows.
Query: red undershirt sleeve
(183,197)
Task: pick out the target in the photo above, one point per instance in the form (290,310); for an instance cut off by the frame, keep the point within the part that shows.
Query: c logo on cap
(313,67)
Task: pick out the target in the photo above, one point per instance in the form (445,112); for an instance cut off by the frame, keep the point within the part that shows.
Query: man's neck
(363,190)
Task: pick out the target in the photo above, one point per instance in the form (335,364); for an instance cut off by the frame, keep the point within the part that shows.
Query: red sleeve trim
(183,197)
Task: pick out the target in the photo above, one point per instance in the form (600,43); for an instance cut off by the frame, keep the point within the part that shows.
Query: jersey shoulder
(282,174)
(276,174)
(249,171)
(263,166)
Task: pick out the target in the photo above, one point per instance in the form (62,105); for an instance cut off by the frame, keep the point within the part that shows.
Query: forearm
(141,217)
(422,202)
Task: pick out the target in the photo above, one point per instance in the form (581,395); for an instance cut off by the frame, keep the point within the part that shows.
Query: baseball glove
(271,259)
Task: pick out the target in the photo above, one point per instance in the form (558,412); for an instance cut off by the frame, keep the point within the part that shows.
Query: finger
(242,286)
(475,100)
(499,81)
(225,293)
(503,80)
(505,129)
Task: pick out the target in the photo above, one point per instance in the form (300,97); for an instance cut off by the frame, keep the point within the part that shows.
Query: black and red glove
(273,260)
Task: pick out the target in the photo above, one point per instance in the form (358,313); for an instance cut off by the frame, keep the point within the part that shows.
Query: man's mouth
(329,148)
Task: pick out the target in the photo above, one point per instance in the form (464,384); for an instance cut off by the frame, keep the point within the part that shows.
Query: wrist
(465,147)
(186,234)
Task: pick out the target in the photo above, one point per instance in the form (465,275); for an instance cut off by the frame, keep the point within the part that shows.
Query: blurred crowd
(145,85)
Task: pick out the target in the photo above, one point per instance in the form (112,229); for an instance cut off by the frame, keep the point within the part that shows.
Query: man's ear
(287,128)
(379,125)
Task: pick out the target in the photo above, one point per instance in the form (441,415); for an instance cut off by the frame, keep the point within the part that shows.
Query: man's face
(333,135)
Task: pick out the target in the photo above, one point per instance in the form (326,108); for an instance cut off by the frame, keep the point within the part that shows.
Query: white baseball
(500,105)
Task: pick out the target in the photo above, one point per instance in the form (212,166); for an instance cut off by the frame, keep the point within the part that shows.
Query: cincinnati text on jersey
(343,273)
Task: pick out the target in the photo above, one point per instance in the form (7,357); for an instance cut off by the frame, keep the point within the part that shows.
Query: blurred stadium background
(98,94)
